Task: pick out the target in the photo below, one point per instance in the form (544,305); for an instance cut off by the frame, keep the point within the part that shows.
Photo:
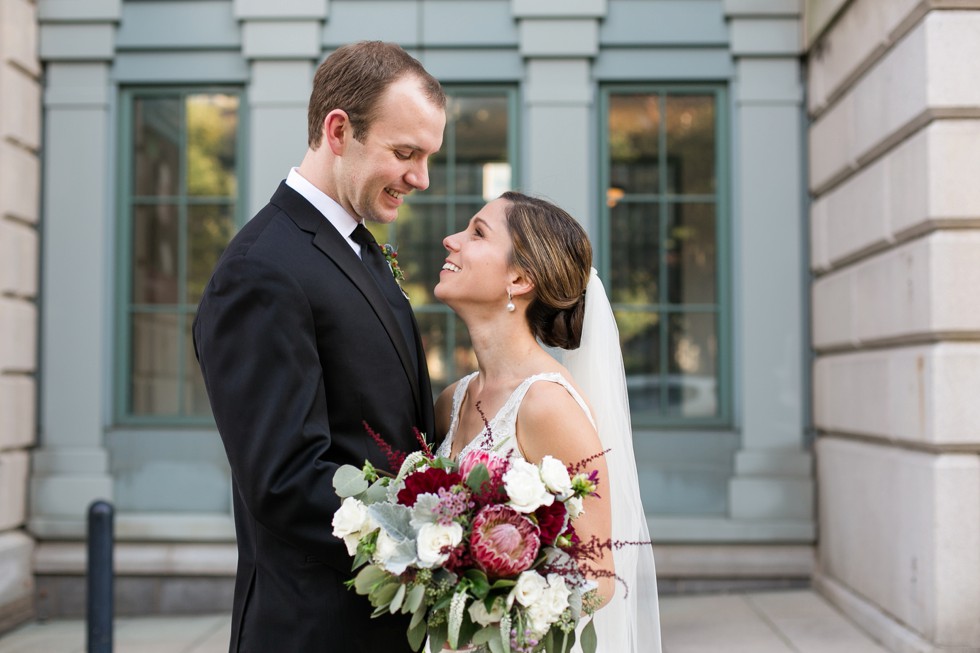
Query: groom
(302,334)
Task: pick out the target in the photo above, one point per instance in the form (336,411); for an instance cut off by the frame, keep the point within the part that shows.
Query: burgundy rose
(426,481)
(503,542)
(551,521)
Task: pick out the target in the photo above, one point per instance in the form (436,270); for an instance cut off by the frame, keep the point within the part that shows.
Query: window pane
(639,332)
(212,126)
(155,358)
(691,144)
(482,168)
(156,146)
(155,254)
(691,254)
(634,253)
(693,364)
(634,143)
(435,341)
(209,229)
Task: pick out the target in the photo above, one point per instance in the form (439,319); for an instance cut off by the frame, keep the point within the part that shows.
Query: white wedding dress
(616,623)
(501,438)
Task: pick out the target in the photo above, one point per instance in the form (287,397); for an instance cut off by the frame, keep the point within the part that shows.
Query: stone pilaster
(283,46)
(559,41)
(70,469)
(773,481)
(20,137)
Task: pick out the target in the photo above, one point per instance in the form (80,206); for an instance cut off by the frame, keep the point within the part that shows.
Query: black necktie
(376,264)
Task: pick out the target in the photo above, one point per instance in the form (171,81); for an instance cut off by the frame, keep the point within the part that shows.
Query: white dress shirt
(326,205)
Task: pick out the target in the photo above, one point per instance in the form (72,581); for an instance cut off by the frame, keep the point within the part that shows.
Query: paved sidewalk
(797,621)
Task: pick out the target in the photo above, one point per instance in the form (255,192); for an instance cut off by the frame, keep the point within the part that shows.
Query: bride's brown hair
(553,250)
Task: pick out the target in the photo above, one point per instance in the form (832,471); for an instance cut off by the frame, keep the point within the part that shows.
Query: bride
(520,275)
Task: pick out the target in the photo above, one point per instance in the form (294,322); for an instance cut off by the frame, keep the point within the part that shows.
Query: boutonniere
(391,255)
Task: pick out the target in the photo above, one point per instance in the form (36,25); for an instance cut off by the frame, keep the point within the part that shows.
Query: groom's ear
(336,131)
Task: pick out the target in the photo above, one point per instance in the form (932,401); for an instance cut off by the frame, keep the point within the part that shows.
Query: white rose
(525,488)
(528,590)
(349,518)
(479,614)
(574,507)
(550,605)
(555,476)
(434,539)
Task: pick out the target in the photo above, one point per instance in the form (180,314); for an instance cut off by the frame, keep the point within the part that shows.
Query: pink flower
(504,542)
(495,464)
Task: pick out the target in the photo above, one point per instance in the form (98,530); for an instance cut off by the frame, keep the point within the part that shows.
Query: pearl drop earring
(510,303)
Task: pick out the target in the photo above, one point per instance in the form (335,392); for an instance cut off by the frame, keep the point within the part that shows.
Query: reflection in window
(475,165)
(180,201)
(660,248)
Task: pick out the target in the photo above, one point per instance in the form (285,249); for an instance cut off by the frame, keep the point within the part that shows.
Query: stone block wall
(895,256)
(20,133)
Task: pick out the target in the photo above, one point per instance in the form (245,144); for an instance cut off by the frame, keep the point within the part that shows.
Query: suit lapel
(329,241)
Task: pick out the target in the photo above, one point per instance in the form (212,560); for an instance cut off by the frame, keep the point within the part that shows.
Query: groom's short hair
(354,77)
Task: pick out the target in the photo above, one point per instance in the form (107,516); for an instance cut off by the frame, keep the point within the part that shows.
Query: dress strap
(514,402)
(458,395)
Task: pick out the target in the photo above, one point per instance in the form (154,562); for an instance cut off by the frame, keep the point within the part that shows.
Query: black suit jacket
(298,346)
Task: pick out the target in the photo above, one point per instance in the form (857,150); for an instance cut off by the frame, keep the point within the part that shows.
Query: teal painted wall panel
(385,20)
(671,22)
(206,24)
(665,64)
(171,471)
(473,65)
(473,24)
(180,67)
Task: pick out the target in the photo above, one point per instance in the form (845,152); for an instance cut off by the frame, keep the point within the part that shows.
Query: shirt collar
(326,205)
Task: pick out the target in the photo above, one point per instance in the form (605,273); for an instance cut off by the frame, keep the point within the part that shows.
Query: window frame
(723,213)
(123,305)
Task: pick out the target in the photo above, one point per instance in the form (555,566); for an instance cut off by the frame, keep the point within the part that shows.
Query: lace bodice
(501,438)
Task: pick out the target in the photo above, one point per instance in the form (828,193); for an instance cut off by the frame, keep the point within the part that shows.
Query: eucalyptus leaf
(414,599)
(416,635)
(383,593)
(366,579)
(377,492)
(349,481)
(589,638)
(418,616)
(483,635)
(396,601)
(437,637)
(494,642)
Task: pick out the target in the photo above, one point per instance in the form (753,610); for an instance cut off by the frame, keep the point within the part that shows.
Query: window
(475,165)
(663,228)
(179,203)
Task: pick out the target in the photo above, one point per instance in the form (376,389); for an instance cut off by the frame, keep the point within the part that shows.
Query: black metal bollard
(99,607)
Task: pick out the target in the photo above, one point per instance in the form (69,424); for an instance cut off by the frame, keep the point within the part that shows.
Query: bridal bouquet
(482,554)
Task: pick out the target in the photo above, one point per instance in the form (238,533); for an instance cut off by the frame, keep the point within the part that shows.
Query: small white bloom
(434,539)
(385,547)
(555,476)
(524,487)
(549,606)
(480,615)
(528,590)
(575,507)
(350,518)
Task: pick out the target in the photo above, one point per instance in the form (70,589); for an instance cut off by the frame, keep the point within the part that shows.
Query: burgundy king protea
(504,542)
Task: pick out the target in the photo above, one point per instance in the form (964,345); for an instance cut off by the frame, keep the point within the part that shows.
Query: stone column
(20,137)
(71,468)
(896,319)
(283,45)
(559,40)
(773,484)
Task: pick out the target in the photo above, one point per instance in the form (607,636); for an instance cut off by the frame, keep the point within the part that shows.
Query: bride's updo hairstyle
(553,250)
